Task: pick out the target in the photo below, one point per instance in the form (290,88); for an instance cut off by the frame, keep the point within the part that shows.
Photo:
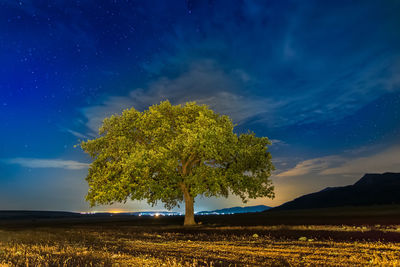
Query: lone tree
(174,153)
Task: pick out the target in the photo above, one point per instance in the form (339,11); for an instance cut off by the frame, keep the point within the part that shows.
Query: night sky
(321,79)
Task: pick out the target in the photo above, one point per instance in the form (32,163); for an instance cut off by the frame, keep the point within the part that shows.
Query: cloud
(385,161)
(277,142)
(204,82)
(74,133)
(292,80)
(315,165)
(47,163)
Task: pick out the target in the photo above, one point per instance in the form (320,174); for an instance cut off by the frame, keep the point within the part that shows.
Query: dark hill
(28,214)
(371,189)
(234,210)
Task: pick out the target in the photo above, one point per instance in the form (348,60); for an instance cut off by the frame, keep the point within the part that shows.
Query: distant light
(115,211)
(87,212)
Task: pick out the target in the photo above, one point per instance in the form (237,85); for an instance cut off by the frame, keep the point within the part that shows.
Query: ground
(260,240)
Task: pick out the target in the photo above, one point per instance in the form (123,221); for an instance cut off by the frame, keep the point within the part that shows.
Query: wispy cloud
(291,80)
(205,82)
(77,134)
(384,161)
(74,133)
(315,165)
(277,142)
(47,163)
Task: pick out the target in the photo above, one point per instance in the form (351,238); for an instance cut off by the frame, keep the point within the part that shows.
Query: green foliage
(160,153)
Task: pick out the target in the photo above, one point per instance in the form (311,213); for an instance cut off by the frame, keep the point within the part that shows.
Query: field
(268,239)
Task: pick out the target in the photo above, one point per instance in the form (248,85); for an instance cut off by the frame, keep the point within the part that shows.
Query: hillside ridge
(371,189)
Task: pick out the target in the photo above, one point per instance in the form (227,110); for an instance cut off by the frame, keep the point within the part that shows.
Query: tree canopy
(173,153)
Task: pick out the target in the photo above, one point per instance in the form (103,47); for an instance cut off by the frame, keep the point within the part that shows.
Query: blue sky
(321,79)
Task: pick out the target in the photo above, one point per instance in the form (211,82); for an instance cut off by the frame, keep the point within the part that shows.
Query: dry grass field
(163,242)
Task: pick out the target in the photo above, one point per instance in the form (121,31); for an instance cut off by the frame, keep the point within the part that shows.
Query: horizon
(128,211)
(119,211)
(320,79)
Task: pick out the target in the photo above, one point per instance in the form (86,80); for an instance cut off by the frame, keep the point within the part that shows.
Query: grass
(127,241)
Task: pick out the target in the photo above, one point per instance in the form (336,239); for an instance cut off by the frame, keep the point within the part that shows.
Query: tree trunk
(189,207)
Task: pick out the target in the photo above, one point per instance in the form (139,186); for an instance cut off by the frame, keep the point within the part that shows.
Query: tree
(174,153)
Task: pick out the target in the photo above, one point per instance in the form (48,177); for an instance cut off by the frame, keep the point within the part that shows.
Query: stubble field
(121,241)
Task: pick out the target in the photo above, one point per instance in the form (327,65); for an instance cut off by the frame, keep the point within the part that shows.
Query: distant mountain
(32,214)
(371,189)
(234,210)
(27,214)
